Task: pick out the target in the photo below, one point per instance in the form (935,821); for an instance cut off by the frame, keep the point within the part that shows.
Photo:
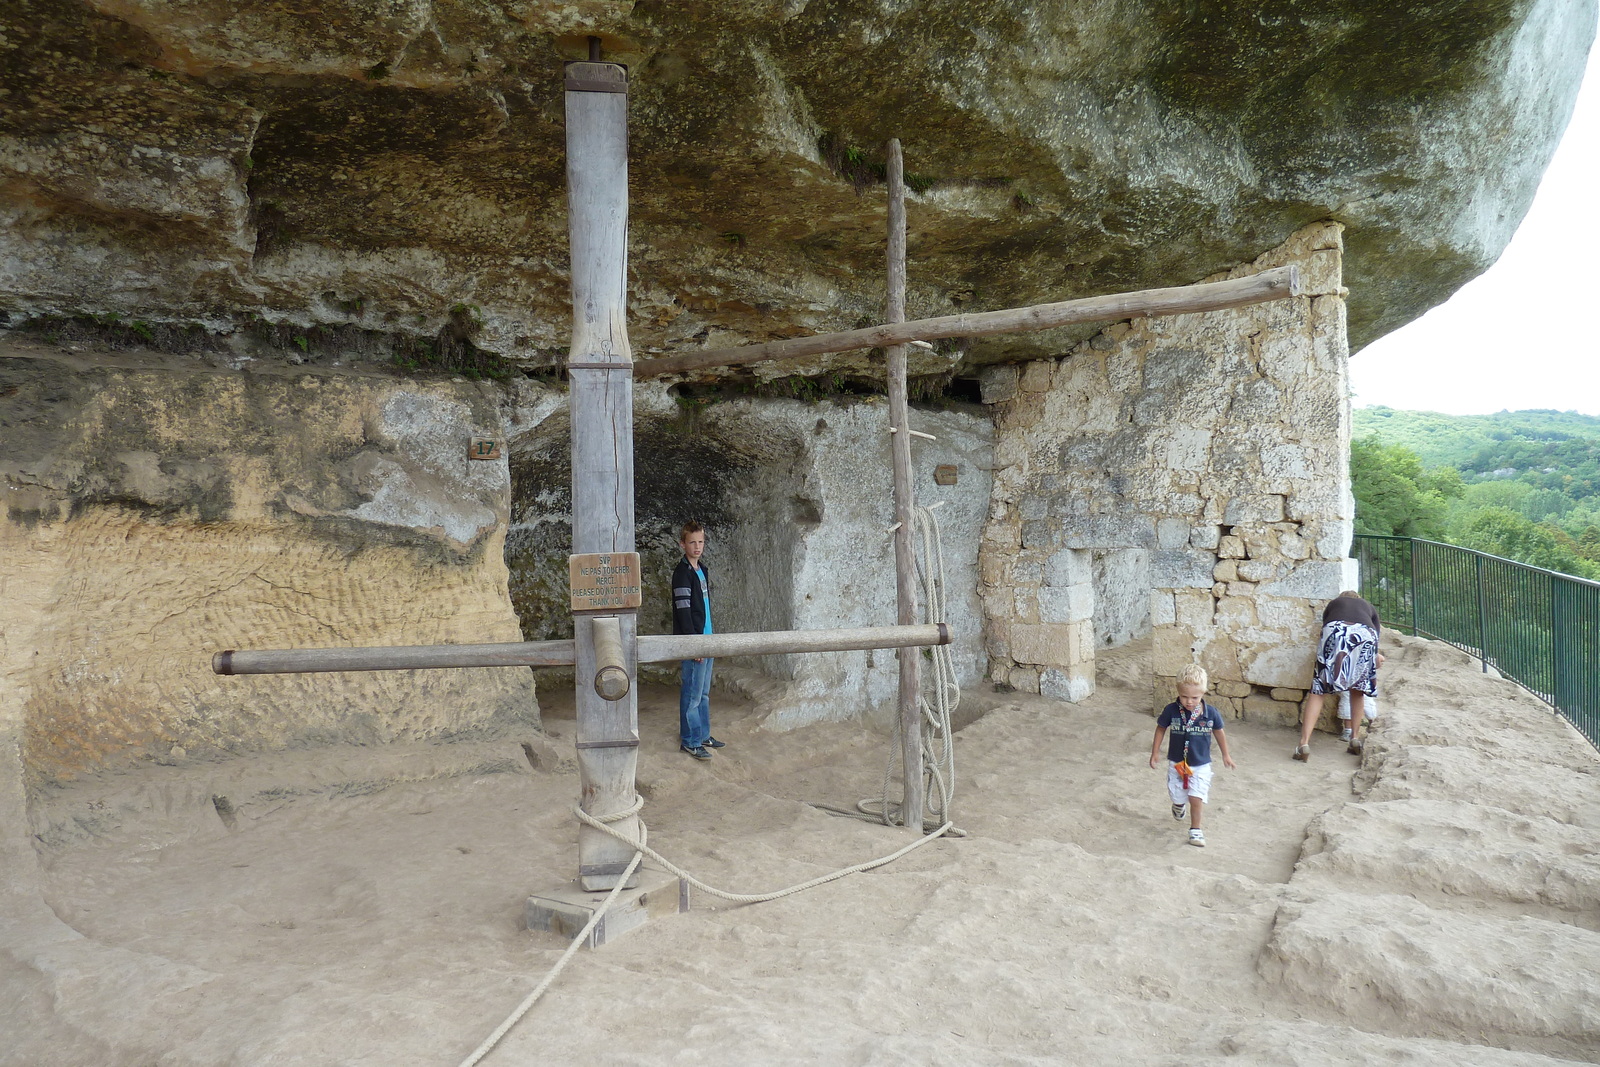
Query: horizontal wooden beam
(1272,284)
(661,648)
(395,658)
(653,648)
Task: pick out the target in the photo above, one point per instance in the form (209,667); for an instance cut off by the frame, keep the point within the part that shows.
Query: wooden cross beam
(1274,284)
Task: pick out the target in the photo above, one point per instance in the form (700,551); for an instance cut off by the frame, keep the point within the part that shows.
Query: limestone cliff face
(397,167)
(155,515)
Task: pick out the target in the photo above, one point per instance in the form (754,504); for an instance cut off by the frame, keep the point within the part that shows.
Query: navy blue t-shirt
(1196,730)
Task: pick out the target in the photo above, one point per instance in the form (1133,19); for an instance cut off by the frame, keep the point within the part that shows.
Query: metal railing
(1536,627)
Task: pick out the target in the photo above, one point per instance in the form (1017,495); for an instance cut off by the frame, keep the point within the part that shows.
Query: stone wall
(1195,464)
(160,511)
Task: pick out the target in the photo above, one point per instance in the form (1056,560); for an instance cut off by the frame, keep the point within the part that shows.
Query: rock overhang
(400,168)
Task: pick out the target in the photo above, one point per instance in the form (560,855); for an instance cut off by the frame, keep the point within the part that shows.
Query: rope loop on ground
(641,850)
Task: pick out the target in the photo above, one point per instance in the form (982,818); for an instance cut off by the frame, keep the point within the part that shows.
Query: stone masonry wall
(1196,464)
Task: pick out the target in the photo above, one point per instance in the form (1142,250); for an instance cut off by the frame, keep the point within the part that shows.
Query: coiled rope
(641,850)
(936,702)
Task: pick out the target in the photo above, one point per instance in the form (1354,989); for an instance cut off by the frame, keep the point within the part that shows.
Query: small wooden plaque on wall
(601,581)
(483,448)
(945,474)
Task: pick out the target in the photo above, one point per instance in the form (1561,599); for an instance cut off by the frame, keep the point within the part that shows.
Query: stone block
(997,383)
(1184,449)
(1281,666)
(1230,547)
(1291,696)
(1227,706)
(1263,570)
(1035,376)
(1196,609)
(1230,687)
(1038,534)
(1253,507)
(1227,570)
(1068,566)
(1106,531)
(1293,546)
(1072,603)
(1183,568)
(1260,708)
(566,910)
(1024,606)
(1173,533)
(1333,538)
(1207,536)
(1313,579)
(1235,613)
(1171,648)
(1073,684)
(1285,462)
(1044,643)
(1024,680)
(1290,615)
(1163,608)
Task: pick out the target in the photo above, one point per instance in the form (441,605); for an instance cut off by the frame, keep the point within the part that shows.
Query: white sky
(1525,333)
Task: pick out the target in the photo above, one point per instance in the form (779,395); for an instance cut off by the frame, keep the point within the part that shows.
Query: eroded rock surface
(157,515)
(398,168)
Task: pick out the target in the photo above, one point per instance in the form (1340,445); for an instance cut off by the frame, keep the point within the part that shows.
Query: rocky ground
(1436,901)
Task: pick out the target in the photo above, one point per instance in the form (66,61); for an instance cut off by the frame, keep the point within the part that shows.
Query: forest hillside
(1520,484)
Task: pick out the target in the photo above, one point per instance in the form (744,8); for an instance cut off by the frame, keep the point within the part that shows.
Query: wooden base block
(566,910)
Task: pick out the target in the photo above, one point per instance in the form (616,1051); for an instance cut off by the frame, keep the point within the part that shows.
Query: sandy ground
(1433,902)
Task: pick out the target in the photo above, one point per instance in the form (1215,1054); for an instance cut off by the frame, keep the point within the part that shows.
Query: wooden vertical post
(600,371)
(904,499)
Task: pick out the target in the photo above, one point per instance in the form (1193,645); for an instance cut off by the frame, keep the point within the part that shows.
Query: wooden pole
(599,370)
(393,658)
(1274,284)
(664,648)
(652,648)
(905,564)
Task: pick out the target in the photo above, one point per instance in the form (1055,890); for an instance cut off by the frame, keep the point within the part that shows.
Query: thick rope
(641,850)
(935,704)
(577,942)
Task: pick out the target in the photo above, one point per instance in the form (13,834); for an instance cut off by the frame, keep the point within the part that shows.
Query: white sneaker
(1197,838)
(1344,735)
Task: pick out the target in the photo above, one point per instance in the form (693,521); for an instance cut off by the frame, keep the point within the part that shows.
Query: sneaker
(1197,838)
(712,742)
(1302,753)
(1344,735)
(1179,810)
(1355,748)
(697,751)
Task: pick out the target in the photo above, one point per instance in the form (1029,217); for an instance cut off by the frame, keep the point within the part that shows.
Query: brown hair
(690,527)
(1350,592)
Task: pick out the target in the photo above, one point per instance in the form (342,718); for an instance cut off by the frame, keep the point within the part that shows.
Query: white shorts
(1199,783)
(1369,709)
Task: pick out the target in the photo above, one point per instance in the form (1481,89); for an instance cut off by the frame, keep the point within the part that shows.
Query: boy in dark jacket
(691,614)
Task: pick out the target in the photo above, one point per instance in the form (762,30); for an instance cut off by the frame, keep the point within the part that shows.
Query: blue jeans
(694,703)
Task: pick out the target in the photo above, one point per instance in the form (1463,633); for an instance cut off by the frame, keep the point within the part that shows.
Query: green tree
(1394,495)
(1503,532)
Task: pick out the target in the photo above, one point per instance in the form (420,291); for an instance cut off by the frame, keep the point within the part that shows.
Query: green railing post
(1483,641)
(1411,558)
